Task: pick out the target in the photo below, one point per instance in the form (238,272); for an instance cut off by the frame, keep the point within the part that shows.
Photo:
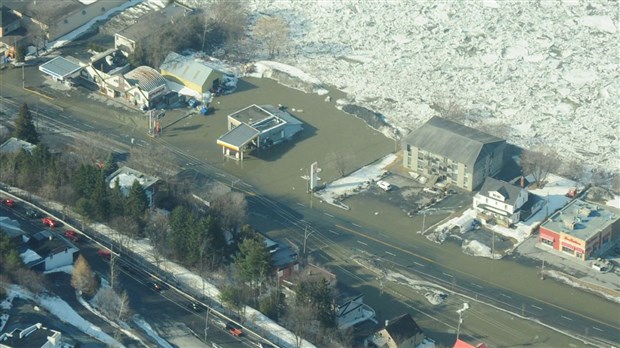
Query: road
(163,308)
(545,301)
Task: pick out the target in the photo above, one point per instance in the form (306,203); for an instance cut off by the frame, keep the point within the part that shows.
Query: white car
(384,185)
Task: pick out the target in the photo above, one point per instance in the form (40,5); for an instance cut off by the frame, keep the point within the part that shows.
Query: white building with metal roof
(257,127)
(60,68)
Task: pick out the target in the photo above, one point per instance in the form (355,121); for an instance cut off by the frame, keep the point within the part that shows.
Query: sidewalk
(573,272)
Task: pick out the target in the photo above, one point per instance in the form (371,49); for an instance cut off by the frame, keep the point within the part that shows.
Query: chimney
(522,181)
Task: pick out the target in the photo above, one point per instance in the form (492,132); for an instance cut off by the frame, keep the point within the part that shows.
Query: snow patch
(149,331)
(601,23)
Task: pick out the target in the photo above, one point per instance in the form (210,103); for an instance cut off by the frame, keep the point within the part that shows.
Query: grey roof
(254,114)
(402,328)
(588,218)
(13,145)
(126,177)
(45,11)
(186,68)
(508,190)
(452,140)
(239,136)
(152,22)
(146,77)
(7,17)
(281,114)
(60,67)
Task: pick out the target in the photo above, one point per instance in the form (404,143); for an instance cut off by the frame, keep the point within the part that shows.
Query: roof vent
(570,224)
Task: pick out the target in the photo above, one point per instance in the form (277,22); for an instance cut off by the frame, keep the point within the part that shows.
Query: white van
(384,185)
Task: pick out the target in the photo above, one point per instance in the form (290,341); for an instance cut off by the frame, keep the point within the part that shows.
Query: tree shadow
(187,128)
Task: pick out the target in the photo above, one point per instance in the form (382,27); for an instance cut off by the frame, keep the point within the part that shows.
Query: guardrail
(124,253)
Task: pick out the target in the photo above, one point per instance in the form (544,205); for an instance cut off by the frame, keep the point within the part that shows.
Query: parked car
(384,185)
(105,254)
(234,329)
(72,235)
(193,103)
(48,221)
(33,214)
(8,202)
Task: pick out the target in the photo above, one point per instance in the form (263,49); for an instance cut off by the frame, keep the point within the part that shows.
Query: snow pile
(546,70)
(359,180)
(149,330)
(475,248)
(64,312)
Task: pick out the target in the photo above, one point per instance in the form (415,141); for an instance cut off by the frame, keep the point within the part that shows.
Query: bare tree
(301,320)
(154,159)
(230,16)
(89,149)
(230,210)
(113,305)
(32,280)
(339,161)
(539,164)
(273,32)
(448,108)
(83,279)
(157,231)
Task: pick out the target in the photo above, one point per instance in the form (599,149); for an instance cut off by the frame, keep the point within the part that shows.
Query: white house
(46,251)
(126,177)
(501,201)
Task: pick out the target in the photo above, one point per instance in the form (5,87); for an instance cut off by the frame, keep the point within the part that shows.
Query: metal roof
(452,140)
(239,136)
(60,67)
(186,68)
(146,77)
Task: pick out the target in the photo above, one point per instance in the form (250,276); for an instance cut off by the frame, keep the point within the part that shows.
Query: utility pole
(542,270)
(423,222)
(207,322)
(306,235)
(493,245)
(23,75)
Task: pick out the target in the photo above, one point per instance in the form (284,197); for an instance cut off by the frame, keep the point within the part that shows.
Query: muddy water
(279,170)
(507,273)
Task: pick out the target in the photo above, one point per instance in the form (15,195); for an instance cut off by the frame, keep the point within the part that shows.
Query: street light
(460,312)
(306,235)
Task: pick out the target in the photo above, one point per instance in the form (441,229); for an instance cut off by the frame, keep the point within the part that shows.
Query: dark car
(234,329)
(196,306)
(33,214)
(157,286)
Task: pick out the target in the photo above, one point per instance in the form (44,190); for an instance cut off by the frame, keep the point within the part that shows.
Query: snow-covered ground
(62,311)
(548,70)
(554,195)
(355,182)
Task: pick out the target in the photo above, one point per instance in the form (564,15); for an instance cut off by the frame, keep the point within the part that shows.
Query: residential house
(149,25)
(283,257)
(46,250)
(581,229)
(191,73)
(11,228)
(14,145)
(399,332)
(443,150)
(126,176)
(257,127)
(9,21)
(49,20)
(351,310)
(35,336)
(500,201)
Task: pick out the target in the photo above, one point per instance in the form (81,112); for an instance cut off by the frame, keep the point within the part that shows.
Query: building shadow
(276,152)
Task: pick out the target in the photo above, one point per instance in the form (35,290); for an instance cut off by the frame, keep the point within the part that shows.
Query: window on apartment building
(546,242)
(578,254)
(409,147)
(605,240)
(568,250)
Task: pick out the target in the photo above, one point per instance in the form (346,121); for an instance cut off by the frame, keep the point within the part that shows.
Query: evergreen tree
(137,201)
(117,200)
(180,222)
(254,263)
(85,180)
(24,127)
(99,197)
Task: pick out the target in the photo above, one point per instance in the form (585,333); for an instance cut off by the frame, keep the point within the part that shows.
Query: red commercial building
(582,229)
